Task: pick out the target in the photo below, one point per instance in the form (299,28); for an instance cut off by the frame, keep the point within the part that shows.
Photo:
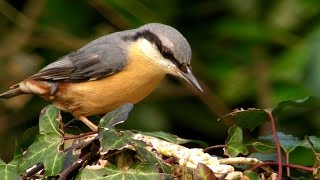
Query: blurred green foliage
(245,54)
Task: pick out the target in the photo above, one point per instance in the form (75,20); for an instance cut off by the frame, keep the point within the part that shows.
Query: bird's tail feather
(11,93)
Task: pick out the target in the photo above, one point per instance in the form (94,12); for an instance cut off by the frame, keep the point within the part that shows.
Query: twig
(77,165)
(239,161)
(213,147)
(308,169)
(69,122)
(277,142)
(80,135)
(33,171)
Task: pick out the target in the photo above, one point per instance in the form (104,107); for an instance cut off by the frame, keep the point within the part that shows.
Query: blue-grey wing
(94,61)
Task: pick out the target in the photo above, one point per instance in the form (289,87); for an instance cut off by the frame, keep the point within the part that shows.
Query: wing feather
(89,63)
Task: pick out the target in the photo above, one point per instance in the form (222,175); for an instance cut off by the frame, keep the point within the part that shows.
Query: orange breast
(137,80)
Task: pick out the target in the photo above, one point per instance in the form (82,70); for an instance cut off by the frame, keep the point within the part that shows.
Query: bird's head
(168,49)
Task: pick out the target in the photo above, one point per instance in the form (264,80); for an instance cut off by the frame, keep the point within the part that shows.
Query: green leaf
(264,156)
(287,142)
(173,138)
(251,175)
(315,142)
(141,172)
(250,118)
(308,102)
(302,156)
(8,171)
(234,143)
(149,157)
(203,172)
(234,149)
(112,139)
(50,121)
(27,138)
(46,148)
(262,147)
(115,117)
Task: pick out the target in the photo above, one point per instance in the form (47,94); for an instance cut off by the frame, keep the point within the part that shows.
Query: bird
(121,67)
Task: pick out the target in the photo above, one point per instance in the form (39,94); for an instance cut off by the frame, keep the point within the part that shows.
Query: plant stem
(277,142)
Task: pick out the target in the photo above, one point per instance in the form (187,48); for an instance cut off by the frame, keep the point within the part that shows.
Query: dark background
(253,53)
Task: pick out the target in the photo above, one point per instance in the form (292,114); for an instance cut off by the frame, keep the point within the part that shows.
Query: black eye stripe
(153,38)
(166,53)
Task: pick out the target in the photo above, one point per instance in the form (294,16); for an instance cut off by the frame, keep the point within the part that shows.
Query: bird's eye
(183,68)
(167,55)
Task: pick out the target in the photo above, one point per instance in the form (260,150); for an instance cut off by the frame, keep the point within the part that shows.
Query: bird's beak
(189,77)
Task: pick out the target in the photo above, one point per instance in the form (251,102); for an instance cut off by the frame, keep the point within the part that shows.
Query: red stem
(277,142)
(308,169)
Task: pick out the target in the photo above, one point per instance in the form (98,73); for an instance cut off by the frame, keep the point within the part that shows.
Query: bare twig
(214,147)
(308,169)
(239,161)
(80,136)
(77,165)
(33,171)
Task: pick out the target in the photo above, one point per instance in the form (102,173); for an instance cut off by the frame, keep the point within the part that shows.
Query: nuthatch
(122,67)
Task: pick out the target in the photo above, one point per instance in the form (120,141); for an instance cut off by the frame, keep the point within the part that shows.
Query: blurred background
(246,54)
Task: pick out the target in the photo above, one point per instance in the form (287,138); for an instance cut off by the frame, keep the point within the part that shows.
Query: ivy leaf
(115,117)
(173,138)
(251,175)
(141,172)
(49,121)
(8,171)
(264,156)
(234,143)
(250,118)
(262,147)
(149,157)
(46,148)
(27,138)
(308,102)
(315,143)
(287,142)
(203,172)
(112,139)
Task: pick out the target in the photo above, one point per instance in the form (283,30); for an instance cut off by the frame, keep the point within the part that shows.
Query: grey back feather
(100,58)
(108,55)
